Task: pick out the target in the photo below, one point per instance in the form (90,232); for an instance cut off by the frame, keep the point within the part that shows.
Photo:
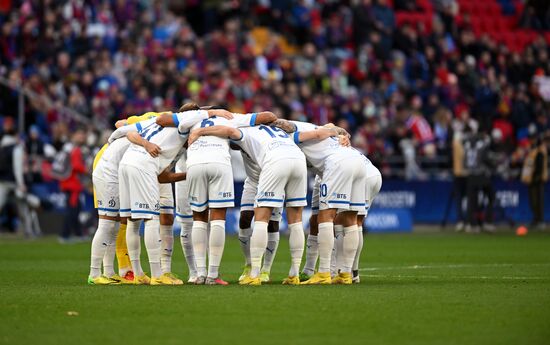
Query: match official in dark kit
(535,174)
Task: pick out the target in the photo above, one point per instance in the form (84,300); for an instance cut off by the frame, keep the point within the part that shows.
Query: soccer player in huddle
(282,181)
(210,183)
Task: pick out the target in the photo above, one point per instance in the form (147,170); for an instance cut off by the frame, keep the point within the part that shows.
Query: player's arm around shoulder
(225,132)
(320,133)
(136,138)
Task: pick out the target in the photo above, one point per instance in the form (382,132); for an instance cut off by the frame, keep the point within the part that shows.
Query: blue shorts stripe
(167,207)
(338,202)
(247,205)
(222,200)
(125,210)
(183,215)
(108,209)
(274,200)
(198,205)
(296,199)
(146,212)
(357,204)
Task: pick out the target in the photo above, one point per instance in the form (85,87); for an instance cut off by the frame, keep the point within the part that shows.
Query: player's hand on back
(220,113)
(153,149)
(344,140)
(193,136)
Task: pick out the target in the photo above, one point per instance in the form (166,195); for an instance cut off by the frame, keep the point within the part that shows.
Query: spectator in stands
(12,153)
(535,175)
(72,185)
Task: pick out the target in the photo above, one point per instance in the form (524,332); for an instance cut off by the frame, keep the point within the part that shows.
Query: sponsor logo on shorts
(100,203)
(142,205)
(112,203)
(194,198)
(157,206)
(271,194)
(340,196)
(225,194)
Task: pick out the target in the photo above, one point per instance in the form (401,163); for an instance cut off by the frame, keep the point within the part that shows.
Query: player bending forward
(283,177)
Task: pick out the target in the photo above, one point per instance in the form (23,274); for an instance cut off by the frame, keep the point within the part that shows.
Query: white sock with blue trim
(167,247)
(200,241)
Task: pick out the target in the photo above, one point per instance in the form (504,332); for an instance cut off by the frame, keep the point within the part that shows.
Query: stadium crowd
(402,91)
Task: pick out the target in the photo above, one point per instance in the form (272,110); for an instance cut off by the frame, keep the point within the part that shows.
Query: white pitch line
(457,277)
(417,267)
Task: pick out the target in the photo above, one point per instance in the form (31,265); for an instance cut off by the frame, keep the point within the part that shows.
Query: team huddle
(133,175)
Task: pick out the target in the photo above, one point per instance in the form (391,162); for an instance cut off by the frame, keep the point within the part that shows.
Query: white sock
(216,244)
(338,261)
(187,246)
(244,239)
(133,241)
(199,236)
(258,242)
(325,238)
(351,239)
(296,244)
(109,257)
(312,253)
(270,250)
(167,247)
(104,236)
(359,249)
(152,244)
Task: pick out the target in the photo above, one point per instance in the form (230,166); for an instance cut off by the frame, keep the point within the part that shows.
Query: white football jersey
(169,139)
(111,157)
(251,168)
(265,144)
(317,151)
(213,149)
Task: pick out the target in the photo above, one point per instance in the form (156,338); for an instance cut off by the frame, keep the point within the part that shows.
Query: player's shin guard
(244,239)
(109,257)
(351,239)
(104,236)
(270,250)
(325,238)
(153,245)
(187,246)
(337,259)
(359,249)
(200,241)
(296,244)
(123,259)
(258,242)
(312,253)
(133,241)
(216,245)
(167,246)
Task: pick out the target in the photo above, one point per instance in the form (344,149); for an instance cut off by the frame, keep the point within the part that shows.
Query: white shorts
(283,183)
(139,193)
(250,189)
(210,186)
(315,196)
(343,188)
(373,185)
(106,193)
(183,209)
(166,198)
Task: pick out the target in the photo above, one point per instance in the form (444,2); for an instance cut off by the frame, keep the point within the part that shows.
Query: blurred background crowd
(408,78)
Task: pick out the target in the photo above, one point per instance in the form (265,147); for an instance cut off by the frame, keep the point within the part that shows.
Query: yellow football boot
(318,279)
(292,281)
(246,272)
(173,278)
(251,281)
(102,280)
(264,277)
(343,278)
(142,280)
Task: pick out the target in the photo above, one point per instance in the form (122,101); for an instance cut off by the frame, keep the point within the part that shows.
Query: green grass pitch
(415,289)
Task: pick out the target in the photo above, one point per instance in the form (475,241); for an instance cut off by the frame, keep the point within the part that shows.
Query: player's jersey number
(207,123)
(274,131)
(150,131)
